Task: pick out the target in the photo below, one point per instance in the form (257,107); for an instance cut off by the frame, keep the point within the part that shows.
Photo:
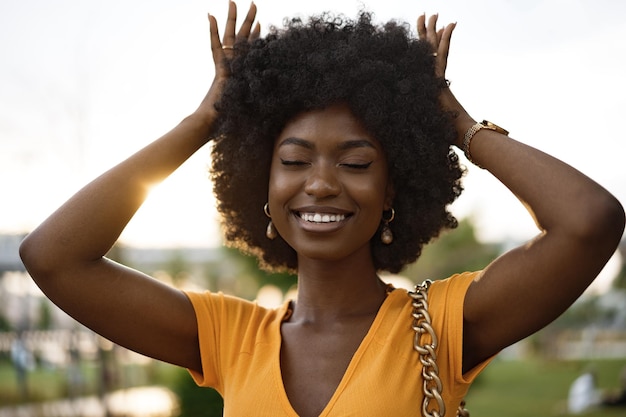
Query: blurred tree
(45,315)
(195,401)
(247,265)
(177,267)
(455,251)
(5,326)
(620,280)
(211,275)
(585,312)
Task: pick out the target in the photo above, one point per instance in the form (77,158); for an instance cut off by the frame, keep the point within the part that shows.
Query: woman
(345,130)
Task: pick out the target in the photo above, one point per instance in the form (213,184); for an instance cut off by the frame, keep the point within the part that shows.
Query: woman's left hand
(439,39)
(580,226)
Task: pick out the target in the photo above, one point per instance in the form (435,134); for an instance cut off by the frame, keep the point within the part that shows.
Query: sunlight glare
(180,211)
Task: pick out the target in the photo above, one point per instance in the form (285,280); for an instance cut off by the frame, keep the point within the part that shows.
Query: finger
(256,32)
(431,31)
(444,40)
(216,44)
(444,49)
(246,26)
(421,27)
(231,22)
(216,48)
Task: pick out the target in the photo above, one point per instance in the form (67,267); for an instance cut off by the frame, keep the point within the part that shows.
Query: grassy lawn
(43,384)
(536,388)
(505,389)
(53,383)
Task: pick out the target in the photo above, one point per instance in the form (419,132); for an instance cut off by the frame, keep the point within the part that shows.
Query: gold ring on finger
(228,47)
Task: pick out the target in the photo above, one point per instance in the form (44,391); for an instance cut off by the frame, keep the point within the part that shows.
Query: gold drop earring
(270,232)
(385,235)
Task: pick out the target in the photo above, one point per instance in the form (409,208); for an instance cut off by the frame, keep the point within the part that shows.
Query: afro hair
(387,78)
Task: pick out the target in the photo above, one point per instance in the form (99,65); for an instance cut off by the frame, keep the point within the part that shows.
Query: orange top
(240,349)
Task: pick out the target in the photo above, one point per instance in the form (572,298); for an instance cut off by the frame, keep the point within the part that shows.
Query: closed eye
(289,162)
(357,166)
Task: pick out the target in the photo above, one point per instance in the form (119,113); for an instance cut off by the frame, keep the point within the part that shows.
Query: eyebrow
(296,141)
(349,144)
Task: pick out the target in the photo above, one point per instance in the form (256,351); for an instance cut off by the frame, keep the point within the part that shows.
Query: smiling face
(328,185)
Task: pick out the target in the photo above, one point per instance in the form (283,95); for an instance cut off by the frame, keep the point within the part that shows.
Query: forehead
(335,123)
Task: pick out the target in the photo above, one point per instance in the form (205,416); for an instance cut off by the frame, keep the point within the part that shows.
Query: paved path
(132,402)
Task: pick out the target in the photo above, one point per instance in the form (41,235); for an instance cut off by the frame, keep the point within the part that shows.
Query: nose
(322,182)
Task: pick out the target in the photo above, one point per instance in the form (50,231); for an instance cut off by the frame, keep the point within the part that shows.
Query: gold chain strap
(422,324)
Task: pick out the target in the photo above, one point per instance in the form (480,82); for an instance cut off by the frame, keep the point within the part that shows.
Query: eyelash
(293,163)
(357,166)
(302,163)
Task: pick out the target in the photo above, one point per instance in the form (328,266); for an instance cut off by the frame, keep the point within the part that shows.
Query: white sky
(85,83)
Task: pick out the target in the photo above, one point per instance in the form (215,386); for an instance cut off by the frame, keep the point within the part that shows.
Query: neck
(332,290)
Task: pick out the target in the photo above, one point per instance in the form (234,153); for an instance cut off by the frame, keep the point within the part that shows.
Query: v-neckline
(352,365)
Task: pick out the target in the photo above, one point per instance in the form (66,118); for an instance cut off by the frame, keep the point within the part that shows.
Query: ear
(390,193)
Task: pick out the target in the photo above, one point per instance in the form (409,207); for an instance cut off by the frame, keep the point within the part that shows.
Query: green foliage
(583,313)
(45,316)
(195,401)
(248,266)
(42,384)
(455,251)
(620,279)
(5,326)
(177,266)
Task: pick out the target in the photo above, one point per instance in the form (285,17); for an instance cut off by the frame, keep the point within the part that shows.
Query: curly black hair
(387,78)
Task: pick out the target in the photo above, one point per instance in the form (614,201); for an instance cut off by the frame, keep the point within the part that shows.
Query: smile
(322,217)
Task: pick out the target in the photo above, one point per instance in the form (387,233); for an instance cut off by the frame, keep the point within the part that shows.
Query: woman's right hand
(222,51)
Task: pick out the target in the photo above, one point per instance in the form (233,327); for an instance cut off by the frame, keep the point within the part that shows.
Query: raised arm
(65,255)
(580,226)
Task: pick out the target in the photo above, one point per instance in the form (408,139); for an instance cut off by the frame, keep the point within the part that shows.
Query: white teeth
(322,218)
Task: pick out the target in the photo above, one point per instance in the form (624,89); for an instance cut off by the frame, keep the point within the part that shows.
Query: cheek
(372,189)
(281,184)
(282,187)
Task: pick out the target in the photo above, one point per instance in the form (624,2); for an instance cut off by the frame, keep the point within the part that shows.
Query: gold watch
(492,126)
(467,139)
